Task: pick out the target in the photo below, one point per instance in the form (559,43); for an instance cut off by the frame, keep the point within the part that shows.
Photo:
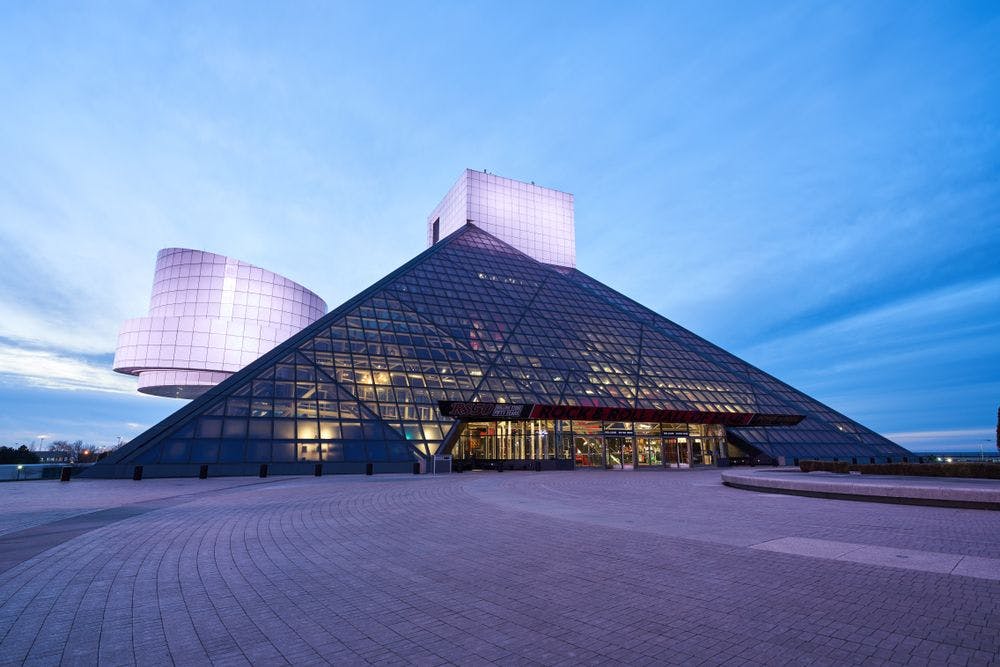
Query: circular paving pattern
(548,568)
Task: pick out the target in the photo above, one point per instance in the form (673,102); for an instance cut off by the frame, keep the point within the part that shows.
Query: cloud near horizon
(56,371)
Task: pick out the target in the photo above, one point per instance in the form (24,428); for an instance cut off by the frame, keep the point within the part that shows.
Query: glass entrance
(650,451)
(590,444)
(619,452)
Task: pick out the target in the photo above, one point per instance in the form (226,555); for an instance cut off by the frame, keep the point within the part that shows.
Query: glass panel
(174,451)
(354,451)
(309,452)
(260,428)
(307,429)
(351,430)
(231,451)
(284,428)
(209,427)
(259,451)
(234,428)
(329,430)
(283,451)
(206,451)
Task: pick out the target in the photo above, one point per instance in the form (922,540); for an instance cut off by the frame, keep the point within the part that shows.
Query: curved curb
(840,487)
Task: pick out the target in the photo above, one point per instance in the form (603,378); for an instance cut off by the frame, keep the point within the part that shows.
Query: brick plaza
(584,567)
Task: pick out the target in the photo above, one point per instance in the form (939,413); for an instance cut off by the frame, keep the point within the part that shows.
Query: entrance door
(650,452)
(676,450)
(619,452)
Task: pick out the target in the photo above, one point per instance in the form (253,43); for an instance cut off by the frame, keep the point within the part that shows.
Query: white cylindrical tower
(209,316)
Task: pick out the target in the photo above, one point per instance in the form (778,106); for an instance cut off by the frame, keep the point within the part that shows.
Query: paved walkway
(586,567)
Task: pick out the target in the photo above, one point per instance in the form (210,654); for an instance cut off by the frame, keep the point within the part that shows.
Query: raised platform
(934,491)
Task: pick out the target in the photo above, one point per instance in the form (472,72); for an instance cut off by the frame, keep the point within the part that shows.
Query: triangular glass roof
(471,319)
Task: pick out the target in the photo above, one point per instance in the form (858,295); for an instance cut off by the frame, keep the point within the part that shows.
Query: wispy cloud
(913,436)
(52,370)
(947,440)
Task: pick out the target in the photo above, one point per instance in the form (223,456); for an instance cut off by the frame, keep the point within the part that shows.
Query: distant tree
(78,451)
(20,455)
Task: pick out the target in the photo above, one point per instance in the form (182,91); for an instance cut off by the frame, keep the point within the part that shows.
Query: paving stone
(584,567)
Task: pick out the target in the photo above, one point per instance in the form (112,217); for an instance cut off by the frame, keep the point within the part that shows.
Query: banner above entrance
(508,411)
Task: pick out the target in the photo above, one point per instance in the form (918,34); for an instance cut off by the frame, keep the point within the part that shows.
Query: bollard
(263,470)
(369,468)
(416,467)
(137,473)
(203,472)
(318,470)
(64,474)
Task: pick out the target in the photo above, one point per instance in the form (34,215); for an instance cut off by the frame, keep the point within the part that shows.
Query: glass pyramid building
(478,350)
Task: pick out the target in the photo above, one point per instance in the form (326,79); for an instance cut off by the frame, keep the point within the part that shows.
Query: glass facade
(472,319)
(593,444)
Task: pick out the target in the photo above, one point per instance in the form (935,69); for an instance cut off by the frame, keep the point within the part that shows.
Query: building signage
(485,411)
(473,411)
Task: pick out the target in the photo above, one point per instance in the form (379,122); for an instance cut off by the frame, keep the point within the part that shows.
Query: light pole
(41,442)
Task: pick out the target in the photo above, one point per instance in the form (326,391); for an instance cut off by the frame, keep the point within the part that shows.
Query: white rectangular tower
(537,221)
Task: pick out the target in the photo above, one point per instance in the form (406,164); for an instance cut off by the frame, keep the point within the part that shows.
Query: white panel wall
(537,221)
(209,316)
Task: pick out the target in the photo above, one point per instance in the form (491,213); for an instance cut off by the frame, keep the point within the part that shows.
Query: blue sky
(813,186)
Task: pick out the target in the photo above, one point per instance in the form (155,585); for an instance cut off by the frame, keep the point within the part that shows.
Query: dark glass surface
(472,319)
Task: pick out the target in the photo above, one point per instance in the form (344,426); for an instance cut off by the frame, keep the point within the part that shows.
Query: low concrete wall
(935,491)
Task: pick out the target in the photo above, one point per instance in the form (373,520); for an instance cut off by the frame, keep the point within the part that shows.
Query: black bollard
(64,473)
(416,467)
(318,470)
(263,470)
(369,468)
(137,473)
(203,472)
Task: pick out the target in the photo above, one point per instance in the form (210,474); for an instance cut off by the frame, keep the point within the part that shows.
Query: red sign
(505,411)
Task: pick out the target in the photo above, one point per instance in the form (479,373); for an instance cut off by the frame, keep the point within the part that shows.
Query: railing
(15,472)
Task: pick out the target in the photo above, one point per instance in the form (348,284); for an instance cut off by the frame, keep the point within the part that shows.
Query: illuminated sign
(509,411)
